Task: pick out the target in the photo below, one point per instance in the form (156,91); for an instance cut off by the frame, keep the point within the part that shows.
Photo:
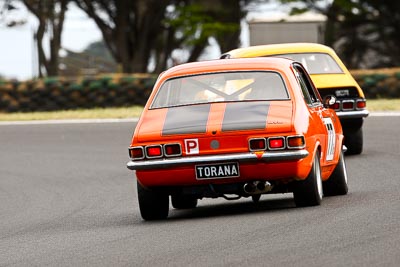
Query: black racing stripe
(245,116)
(186,119)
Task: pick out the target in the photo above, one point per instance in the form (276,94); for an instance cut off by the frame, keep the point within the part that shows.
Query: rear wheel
(154,205)
(183,202)
(309,191)
(337,182)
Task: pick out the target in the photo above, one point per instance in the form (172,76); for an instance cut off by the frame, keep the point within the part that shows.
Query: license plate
(214,171)
(344,92)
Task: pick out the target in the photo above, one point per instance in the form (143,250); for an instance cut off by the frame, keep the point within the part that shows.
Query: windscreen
(315,63)
(221,87)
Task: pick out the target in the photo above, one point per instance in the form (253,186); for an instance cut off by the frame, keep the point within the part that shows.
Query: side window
(304,90)
(310,95)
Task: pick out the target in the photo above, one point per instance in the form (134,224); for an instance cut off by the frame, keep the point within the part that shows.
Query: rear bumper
(354,114)
(240,157)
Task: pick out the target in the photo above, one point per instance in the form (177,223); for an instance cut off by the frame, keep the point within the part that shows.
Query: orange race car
(330,76)
(236,128)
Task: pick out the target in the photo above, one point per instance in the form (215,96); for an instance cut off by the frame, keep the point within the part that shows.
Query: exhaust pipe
(249,188)
(260,186)
(257,187)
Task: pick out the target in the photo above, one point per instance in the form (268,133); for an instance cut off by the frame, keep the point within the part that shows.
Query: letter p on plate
(192,146)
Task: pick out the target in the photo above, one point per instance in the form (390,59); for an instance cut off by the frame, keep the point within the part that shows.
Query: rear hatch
(216,128)
(322,81)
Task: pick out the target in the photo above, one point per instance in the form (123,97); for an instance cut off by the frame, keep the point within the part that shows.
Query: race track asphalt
(67,199)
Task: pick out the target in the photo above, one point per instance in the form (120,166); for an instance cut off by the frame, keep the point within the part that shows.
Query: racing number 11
(331,138)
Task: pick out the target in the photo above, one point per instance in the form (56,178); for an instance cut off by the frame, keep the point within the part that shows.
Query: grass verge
(135,111)
(96,113)
(383,104)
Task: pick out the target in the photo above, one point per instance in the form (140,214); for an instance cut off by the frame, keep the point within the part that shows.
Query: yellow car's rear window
(315,63)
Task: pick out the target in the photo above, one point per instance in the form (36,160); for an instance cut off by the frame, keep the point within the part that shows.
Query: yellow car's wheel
(337,183)
(353,140)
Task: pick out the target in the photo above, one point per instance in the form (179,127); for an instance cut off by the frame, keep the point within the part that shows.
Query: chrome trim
(352,114)
(131,148)
(173,155)
(344,148)
(239,157)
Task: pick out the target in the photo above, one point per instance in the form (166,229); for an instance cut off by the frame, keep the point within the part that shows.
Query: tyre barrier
(65,94)
(379,83)
(119,90)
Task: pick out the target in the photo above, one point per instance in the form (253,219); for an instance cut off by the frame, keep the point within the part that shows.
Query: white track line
(82,121)
(385,114)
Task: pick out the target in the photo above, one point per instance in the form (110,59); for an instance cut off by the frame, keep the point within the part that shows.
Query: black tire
(353,140)
(337,182)
(183,202)
(153,205)
(309,192)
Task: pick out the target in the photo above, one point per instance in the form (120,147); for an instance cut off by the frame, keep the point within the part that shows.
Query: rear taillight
(172,150)
(335,106)
(347,104)
(154,151)
(275,143)
(257,144)
(296,142)
(136,152)
(361,104)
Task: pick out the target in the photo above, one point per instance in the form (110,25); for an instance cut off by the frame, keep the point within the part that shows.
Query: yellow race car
(329,75)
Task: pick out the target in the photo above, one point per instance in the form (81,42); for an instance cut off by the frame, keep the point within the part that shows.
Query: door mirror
(329,100)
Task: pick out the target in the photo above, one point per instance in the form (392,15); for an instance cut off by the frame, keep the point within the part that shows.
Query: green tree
(50,14)
(94,59)
(370,34)
(192,24)
(366,33)
(137,31)
(129,27)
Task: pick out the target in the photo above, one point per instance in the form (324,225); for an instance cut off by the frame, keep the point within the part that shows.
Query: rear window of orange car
(315,63)
(221,87)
